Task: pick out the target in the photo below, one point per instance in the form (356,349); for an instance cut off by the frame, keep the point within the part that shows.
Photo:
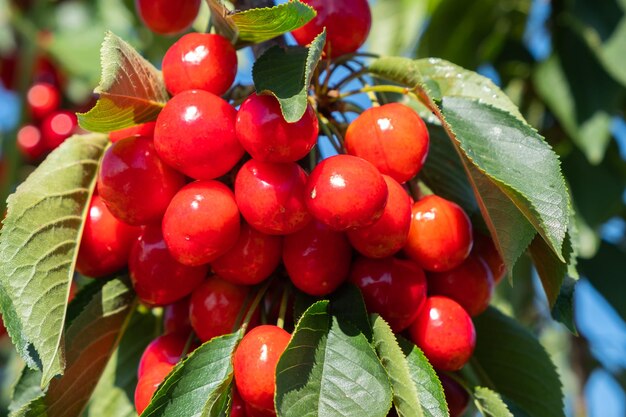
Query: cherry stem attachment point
(282,311)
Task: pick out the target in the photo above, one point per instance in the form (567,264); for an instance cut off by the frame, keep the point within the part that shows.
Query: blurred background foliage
(563,62)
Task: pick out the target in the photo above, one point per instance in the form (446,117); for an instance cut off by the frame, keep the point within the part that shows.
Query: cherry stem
(376,89)
(255,304)
(329,134)
(282,311)
(190,339)
(481,374)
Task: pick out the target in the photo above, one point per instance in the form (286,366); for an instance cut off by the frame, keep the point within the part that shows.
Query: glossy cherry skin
(144,130)
(393,137)
(106,242)
(252,259)
(195,133)
(135,184)
(200,61)
(445,333)
(469,284)
(346,192)
(457,397)
(394,288)
(485,248)
(265,134)
(201,223)
(271,196)
(440,237)
(168,349)
(255,362)
(237,406)
(317,258)
(157,277)
(30,143)
(214,307)
(42,99)
(148,384)
(389,234)
(167,17)
(347,24)
(176,317)
(56,127)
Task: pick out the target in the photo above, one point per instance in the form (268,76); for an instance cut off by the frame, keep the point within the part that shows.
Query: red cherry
(167,17)
(144,130)
(237,406)
(148,384)
(347,24)
(317,258)
(201,223)
(30,143)
(469,284)
(201,61)
(42,99)
(157,277)
(271,196)
(252,411)
(56,127)
(393,288)
(166,349)
(176,317)
(346,192)
(266,135)
(195,133)
(393,137)
(486,249)
(457,397)
(440,237)
(3,330)
(135,184)
(445,333)
(106,242)
(389,234)
(215,306)
(253,258)
(255,362)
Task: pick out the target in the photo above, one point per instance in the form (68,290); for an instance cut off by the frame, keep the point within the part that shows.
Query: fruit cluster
(209,201)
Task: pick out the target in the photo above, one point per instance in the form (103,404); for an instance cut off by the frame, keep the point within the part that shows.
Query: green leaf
(260,25)
(26,389)
(530,381)
(131,90)
(406,391)
(38,249)
(114,394)
(91,340)
(286,74)
(198,385)
(551,270)
(329,368)
(490,404)
(429,389)
(563,309)
(347,304)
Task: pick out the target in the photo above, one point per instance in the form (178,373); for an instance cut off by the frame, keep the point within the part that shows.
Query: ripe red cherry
(30,143)
(144,130)
(167,17)
(457,397)
(266,135)
(201,223)
(157,277)
(176,317)
(166,349)
(485,248)
(393,137)
(252,259)
(148,384)
(271,196)
(445,333)
(237,406)
(195,133)
(252,411)
(255,362)
(135,184)
(56,127)
(200,61)
(42,98)
(440,237)
(347,25)
(214,307)
(346,192)
(389,234)
(317,258)
(106,242)
(393,288)
(469,284)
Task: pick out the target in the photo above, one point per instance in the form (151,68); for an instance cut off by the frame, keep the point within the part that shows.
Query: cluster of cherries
(208,201)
